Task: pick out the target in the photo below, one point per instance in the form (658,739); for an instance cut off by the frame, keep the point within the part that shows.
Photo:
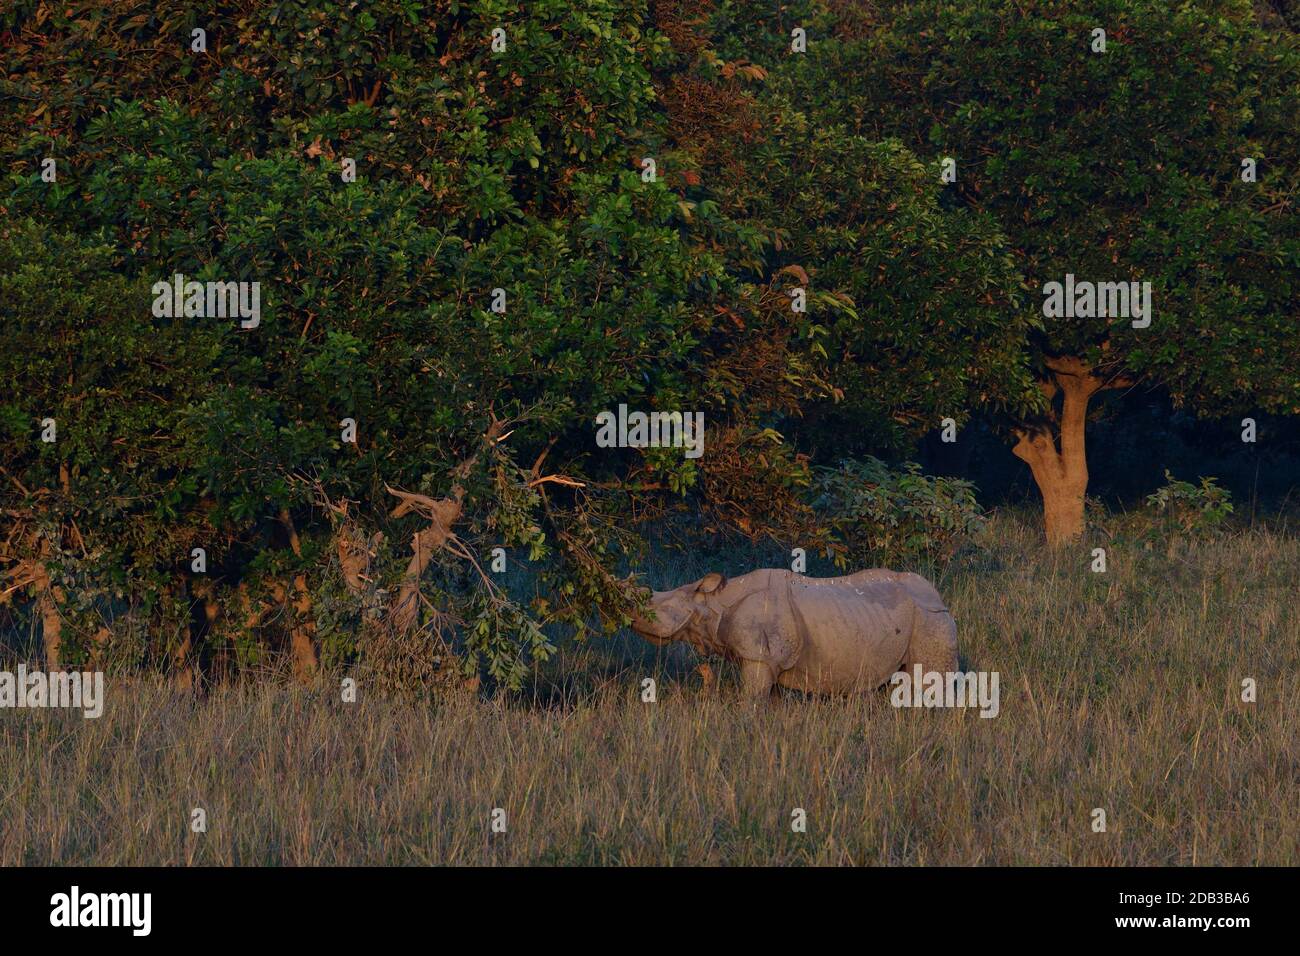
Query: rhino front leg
(756,679)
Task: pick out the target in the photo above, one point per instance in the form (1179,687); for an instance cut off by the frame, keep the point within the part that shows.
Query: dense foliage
(894,517)
(559,208)
(1111,158)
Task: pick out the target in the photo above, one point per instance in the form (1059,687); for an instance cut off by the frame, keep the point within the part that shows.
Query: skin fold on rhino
(822,635)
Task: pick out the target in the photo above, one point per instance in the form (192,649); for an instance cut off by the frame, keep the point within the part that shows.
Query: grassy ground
(1119,690)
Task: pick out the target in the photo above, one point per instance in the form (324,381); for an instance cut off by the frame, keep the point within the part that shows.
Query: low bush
(895,515)
(1198,510)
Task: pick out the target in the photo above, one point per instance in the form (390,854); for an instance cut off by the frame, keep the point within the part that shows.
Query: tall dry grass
(1119,690)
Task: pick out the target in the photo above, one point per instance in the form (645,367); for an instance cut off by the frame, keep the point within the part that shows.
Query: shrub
(892,516)
(1195,510)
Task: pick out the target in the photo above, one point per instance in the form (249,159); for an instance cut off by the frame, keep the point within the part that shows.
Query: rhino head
(688,613)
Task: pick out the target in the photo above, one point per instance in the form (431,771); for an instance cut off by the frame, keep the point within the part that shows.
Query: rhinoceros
(822,635)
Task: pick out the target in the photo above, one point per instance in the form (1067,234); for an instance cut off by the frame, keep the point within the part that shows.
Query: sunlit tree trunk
(302,626)
(51,628)
(1055,450)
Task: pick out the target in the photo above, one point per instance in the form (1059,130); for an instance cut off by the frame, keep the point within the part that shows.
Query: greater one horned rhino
(824,635)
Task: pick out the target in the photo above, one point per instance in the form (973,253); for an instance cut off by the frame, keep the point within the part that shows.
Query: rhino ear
(711,583)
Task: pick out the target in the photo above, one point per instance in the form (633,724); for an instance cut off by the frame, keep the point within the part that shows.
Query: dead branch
(558,480)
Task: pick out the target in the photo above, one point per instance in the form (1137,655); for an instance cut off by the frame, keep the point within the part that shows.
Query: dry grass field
(1119,690)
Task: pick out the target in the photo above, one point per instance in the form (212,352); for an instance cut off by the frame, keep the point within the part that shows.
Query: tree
(1128,165)
(480,168)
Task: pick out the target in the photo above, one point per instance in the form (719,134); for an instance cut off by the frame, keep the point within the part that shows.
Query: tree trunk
(1063,505)
(1061,472)
(47,606)
(302,626)
(301,634)
(51,627)
(406,609)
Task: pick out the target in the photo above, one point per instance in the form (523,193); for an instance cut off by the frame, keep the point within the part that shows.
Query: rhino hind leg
(934,642)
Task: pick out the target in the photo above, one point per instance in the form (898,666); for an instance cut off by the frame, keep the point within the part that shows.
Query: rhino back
(922,592)
(856,633)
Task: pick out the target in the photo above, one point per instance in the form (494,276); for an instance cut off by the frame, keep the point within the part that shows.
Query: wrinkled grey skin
(824,635)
